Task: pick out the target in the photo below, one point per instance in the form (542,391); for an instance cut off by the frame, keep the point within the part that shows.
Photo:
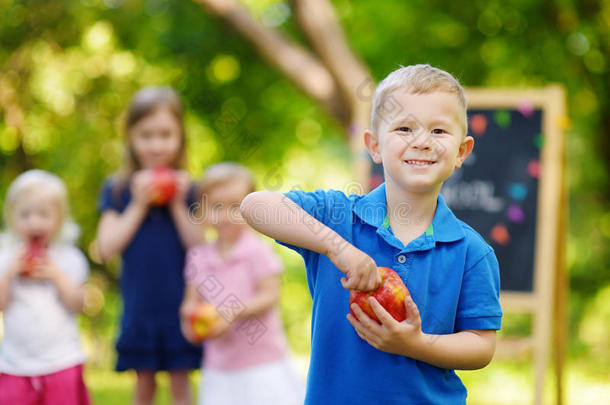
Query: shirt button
(402,259)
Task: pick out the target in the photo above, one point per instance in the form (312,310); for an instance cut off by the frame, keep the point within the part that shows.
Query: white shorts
(274,383)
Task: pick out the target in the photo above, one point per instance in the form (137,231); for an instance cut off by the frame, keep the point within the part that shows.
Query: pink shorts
(60,388)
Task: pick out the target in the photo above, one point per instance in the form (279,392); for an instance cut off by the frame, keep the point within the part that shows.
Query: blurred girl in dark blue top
(151,236)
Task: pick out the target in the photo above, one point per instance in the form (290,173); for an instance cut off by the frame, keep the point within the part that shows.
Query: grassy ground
(110,388)
(501,383)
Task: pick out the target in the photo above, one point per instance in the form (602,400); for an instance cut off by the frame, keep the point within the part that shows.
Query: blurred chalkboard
(496,190)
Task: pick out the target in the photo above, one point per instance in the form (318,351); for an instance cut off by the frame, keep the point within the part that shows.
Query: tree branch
(290,58)
(319,22)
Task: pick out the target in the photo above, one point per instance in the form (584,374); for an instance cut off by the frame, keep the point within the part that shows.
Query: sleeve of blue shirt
(106,199)
(332,208)
(479,305)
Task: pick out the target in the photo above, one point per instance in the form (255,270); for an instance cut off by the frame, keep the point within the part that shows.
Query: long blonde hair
(36,179)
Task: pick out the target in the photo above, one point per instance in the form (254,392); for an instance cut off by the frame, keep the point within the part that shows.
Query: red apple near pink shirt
(203,318)
(391,295)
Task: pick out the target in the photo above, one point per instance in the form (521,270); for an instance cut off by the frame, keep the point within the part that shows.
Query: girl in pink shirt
(245,358)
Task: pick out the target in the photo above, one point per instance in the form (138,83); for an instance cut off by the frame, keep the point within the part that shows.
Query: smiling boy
(419,134)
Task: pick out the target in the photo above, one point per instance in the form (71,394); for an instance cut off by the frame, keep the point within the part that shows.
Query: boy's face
(421,142)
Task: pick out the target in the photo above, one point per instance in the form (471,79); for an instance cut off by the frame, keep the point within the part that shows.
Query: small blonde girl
(41,291)
(246,358)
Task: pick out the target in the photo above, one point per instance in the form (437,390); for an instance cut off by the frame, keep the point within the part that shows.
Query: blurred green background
(69,68)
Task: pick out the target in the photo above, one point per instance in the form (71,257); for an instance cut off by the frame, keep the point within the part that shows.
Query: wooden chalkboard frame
(547,300)
(543,302)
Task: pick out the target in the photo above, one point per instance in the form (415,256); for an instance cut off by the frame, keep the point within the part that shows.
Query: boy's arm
(464,350)
(277,216)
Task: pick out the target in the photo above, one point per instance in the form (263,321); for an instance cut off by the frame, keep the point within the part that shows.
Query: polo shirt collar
(372,209)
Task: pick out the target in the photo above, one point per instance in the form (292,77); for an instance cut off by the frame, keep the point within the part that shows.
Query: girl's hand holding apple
(44,269)
(182,183)
(142,188)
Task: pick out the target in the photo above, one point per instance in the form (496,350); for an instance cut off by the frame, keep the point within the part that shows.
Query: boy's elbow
(250,205)
(487,354)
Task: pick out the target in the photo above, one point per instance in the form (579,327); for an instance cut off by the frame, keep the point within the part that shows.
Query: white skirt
(274,383)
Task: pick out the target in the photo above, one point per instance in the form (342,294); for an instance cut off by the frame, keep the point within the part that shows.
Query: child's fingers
(351,282)
(380,311)
(365,320)
(412,310)
(362,332)
(374,280)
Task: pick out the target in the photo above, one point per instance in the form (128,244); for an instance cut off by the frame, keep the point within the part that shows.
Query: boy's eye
(404,129)
(437,131)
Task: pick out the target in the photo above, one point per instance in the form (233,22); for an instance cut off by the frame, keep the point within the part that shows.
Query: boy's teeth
(418,162)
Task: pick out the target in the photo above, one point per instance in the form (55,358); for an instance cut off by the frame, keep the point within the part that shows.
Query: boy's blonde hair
(416,79)
(224,173)
(40,180)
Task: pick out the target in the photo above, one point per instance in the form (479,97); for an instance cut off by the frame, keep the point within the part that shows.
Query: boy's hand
(391,336)
(360,268)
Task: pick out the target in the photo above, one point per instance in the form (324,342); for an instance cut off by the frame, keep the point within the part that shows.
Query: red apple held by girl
(391,295)
(164,182)
(36,248)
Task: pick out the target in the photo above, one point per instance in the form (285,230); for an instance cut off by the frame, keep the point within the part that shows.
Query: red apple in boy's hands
(202,320)
(391,295)
(164,184)
(35,250)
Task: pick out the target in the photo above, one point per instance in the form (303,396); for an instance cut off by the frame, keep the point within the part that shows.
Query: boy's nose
(420,140)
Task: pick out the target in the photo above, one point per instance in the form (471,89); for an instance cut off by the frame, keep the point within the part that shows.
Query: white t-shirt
(40,333)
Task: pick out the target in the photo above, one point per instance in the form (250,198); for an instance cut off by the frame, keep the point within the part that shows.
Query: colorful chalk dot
(533,168)
(526,108)
(478,124)
(517,191)
(538,140)
(502,118)
(500,235)
(515,214)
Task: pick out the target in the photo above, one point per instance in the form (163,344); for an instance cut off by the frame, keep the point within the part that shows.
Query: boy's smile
(422,142)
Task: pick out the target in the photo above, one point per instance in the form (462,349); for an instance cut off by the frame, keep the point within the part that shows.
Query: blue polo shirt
(452,275)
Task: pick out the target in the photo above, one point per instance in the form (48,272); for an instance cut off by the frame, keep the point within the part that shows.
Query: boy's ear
(464,150)
(372,145)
